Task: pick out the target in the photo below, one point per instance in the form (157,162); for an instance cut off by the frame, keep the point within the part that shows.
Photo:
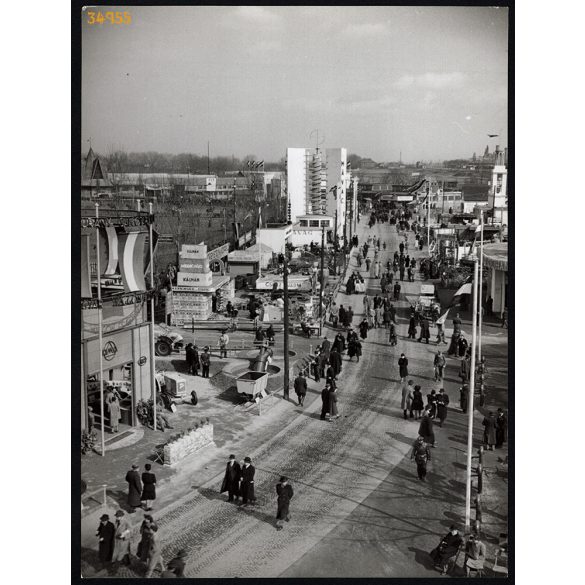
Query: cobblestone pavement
(337,469)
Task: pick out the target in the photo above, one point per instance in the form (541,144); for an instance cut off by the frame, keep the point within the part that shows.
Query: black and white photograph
(296,309)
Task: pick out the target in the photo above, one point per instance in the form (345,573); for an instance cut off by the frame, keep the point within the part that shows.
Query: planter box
(189,444)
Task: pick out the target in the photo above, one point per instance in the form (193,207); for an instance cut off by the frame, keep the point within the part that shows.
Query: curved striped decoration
(112,238)
(131,259)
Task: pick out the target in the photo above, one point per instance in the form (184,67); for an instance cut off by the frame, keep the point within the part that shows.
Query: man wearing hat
(300,386)
(223,343)
(247,479)
(325,402)
(231,479)
(205,362)
(176,566)
(106,532)
(285,493)
(122,538)
(421,454)
(134,487)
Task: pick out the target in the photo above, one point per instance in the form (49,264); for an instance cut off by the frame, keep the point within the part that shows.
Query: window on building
(304,223)
(325,223)
(313,223)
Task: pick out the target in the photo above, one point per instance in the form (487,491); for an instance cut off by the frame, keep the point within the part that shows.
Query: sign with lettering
(109,351)
(194,278)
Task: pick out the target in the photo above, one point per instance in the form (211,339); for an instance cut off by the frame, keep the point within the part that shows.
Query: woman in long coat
(425,429)
(407,397)
(333,412)
(106,532)
(285,493)
(134,487)
(417,402)
(350,286)
(115,414)
(489,431)
(364,326)
(145,534)
(403,367)
(148,486)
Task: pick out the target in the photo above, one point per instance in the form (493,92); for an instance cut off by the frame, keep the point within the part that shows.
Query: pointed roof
(92,171)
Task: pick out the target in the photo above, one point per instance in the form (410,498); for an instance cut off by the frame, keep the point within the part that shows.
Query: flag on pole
(463,290)
(441,320)
(249,163)
(259,218)
(261,163)
(478,228)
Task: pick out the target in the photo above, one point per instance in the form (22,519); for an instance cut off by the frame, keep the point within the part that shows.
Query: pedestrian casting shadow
(315,415)
(458,465)
(254,512)
(402,438)
(121,498)
(423,558)
(180,366)
(210,494)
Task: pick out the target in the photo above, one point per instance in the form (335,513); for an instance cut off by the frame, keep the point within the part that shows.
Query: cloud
(257,15)
(431,80)
(365,30)
(344,105)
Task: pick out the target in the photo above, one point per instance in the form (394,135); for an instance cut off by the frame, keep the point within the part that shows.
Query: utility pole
(286,326)
(152,354)
(429,215)
(470,402)
(480,289)
(321,279)
(100,327)
(208,158)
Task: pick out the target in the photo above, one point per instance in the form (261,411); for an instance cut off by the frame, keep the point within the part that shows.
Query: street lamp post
(470,403)
(100,327)
(286,326)
(321,276)
(480,317)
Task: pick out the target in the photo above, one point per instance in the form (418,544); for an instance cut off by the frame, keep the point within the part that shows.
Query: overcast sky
(429,82)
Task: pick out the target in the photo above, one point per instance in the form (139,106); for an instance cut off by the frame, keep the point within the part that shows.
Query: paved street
(359,509)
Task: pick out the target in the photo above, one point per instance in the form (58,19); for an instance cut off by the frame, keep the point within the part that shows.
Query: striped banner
(112,251)
(131,258)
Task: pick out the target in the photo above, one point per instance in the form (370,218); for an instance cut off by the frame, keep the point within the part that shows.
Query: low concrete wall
(190,443)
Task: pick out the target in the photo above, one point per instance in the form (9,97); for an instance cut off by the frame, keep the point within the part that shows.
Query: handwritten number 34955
(111,17)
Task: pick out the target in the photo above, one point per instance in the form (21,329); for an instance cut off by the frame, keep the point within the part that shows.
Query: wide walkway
(359,509)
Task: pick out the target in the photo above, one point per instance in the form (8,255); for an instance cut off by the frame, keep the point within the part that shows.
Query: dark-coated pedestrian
(205,362)
(284,493)
(403,367)
(489,431)
(134,487)
(336,362)
(247,482)
(231,479)
(425,429)
(148,487)
(417,402)
(300,386)
(106,533)
(421,455)
(442,404)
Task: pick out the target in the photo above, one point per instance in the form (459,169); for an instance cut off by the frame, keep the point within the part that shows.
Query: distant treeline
(120,161)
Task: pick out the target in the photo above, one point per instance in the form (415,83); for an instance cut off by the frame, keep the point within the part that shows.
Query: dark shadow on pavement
(422,557)
(402,438)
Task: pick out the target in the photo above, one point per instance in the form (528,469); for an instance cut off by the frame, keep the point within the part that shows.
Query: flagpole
(470,402)
(100,326)
(258,243)
(152,354)
(429,216)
